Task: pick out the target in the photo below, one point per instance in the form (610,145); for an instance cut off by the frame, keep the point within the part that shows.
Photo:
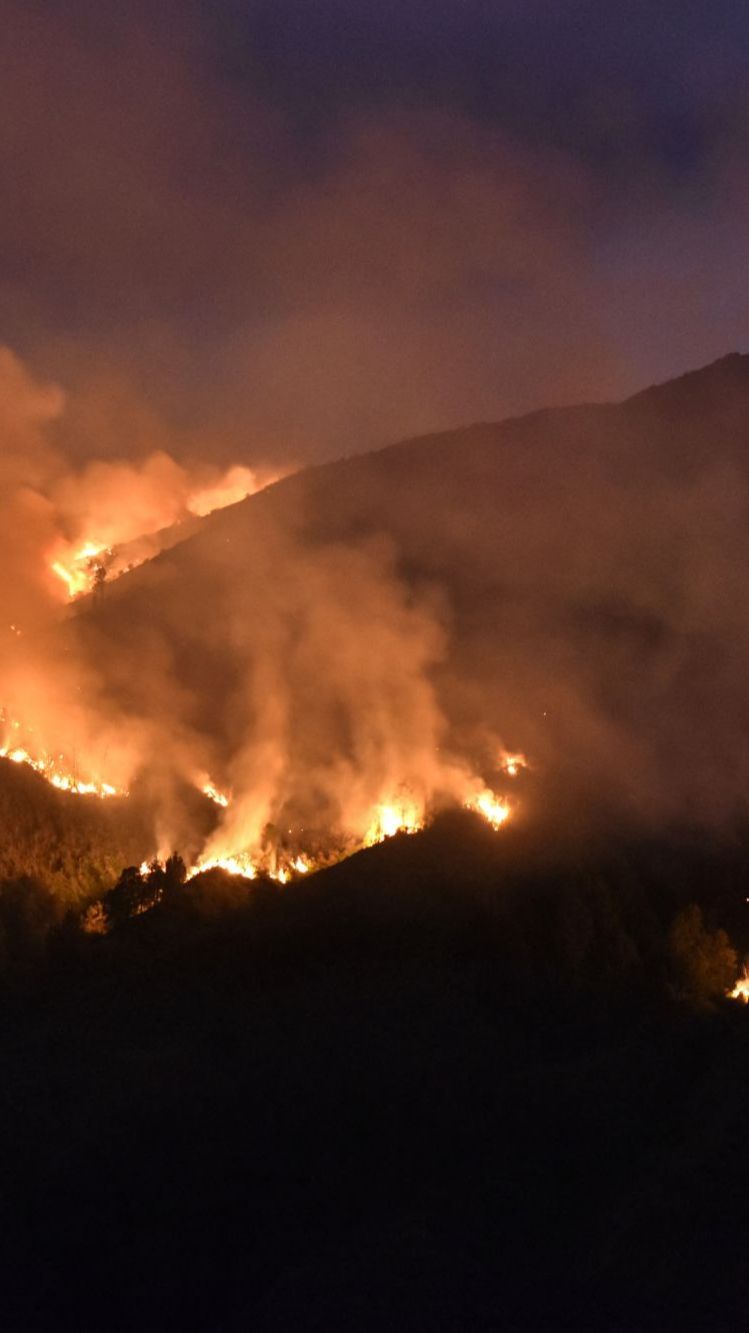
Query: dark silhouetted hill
(450,1083)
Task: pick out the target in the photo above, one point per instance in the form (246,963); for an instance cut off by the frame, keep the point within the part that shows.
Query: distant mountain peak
(725,373)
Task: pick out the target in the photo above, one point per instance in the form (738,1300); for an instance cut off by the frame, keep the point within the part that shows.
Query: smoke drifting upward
(62,532)
(338,737)
(427,244)
(297,679)
(348,649)
(118,513)
(352,648)
(237,262)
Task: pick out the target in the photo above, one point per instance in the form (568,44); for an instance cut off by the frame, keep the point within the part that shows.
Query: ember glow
(273,866)
(241,864)
(54,771)
(235,485)
(491,807)
(331,736)
(741,989)
(128,511)
(213,794)
(246,866)
(401,816)
(79,571)
(511,764)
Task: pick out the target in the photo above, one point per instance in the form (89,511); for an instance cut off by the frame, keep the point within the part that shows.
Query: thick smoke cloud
(568,586)
(294,672)
(58,526)
(335,715)
(590,567)
(374,633)
(42,683)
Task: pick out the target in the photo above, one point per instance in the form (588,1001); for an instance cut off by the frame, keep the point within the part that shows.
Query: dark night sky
(288,229)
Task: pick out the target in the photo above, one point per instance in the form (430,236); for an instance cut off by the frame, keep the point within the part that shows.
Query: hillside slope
(578,573)
(570,583)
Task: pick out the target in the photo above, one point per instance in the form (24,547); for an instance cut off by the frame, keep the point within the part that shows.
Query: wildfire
(511,764)
(50,769)
(79,571)
(164,496)
(491,807)
(400,817)
(281,869)
(236,485)
(741,989)
(241,864)
(213,794)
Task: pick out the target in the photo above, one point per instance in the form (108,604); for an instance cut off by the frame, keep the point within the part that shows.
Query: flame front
(402,816)
(741,989)
(55,771)
(332,736)
(492,808)
(241,864)
(163,496)
(511,764)
(79,570)
(212,792)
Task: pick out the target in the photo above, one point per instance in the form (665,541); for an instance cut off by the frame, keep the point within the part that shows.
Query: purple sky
(288,230)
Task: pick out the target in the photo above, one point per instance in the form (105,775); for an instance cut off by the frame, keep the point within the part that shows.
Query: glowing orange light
(57,776)
(491,807)
(402,816)
(511,764)
(213,794)
(741,989)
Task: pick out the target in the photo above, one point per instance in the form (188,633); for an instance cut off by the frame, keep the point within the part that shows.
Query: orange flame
(491,807)
(212,792)
(241,864)
(78,571)
(55,770)
(401,816)
(741,989)
(79,566)
(511,764)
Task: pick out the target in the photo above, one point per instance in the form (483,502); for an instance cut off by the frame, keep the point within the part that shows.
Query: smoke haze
(223,262)
(364,641)
(382,630)
(225,252)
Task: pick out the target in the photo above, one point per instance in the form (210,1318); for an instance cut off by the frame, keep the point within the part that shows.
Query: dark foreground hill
(451,1084)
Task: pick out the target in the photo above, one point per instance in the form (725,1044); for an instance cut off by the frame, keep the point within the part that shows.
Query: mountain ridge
(703,383)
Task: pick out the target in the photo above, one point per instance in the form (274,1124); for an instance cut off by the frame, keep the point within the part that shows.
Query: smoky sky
(277,232)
